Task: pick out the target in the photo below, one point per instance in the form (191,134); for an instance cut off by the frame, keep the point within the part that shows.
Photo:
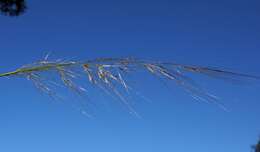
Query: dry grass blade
(106,73)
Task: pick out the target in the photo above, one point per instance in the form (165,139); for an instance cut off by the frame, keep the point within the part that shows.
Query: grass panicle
(108,74)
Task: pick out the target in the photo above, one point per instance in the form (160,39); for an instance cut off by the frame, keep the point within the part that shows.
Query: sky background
(223,33)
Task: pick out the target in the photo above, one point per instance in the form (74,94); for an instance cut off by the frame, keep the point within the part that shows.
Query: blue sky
(220,33)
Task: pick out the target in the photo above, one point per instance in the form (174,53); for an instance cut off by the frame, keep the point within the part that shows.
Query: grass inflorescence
(108,74)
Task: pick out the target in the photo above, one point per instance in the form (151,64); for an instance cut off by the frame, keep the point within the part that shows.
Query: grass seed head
(107,73)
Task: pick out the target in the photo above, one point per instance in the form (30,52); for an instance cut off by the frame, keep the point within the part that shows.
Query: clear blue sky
(223,33)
